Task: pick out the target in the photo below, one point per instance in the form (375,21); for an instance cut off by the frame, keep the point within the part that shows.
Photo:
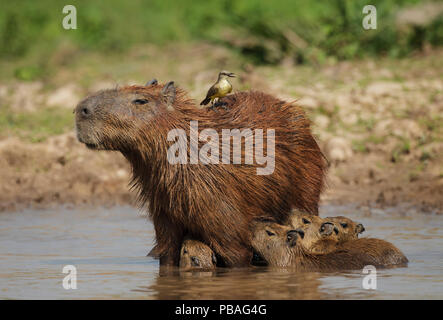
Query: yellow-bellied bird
(219,89)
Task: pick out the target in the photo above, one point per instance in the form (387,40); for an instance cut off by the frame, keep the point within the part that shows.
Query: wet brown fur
(280,251)
(213,203)
(350,232)
(196,255)
(314,240)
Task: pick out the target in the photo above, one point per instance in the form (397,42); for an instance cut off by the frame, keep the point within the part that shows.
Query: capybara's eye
(344,224)
(270,233)
(306,221)
(140,101)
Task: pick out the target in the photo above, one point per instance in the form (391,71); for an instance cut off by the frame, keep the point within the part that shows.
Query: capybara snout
(291,237)
(328,228)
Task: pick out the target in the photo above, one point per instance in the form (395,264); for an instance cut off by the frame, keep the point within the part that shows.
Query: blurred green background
(260,32)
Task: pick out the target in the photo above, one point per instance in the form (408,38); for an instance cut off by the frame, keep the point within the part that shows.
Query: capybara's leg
(169,240)
(233,253)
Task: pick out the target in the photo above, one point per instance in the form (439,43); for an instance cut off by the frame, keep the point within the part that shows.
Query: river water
(108,249)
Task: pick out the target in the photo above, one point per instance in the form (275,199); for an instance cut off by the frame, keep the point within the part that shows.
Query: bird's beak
(232,75)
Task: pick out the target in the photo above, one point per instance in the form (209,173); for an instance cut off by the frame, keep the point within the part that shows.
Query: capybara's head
(273,242)
(348,229)
(105,118)
(196,255)
(313,229)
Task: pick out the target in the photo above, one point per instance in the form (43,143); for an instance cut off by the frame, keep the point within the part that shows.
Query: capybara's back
(214,201)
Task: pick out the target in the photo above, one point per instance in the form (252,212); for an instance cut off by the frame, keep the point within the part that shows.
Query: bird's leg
(221,104)
(213,105)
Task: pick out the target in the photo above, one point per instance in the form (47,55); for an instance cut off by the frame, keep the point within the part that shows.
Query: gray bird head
(225,74)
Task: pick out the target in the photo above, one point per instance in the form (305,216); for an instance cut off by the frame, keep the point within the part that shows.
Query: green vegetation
(402,148)
(35,126)
(263,32)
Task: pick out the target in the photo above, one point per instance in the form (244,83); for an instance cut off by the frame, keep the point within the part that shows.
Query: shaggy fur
(280,247)
(211,203)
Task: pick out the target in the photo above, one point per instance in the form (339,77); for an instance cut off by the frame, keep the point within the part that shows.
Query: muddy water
(108,249)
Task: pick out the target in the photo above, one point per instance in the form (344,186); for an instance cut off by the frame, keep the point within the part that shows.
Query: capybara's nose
(327,228)
(195,261)
(301,233)
(291,237)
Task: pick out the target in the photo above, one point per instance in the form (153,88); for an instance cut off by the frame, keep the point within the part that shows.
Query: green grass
(402,148)
(35,126)
(261,31)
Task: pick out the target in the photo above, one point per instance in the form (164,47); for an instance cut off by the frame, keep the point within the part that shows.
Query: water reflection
(109,246)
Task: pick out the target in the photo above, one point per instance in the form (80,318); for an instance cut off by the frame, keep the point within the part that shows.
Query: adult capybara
(281,246)
(348,229)
(196,255)
(186,195)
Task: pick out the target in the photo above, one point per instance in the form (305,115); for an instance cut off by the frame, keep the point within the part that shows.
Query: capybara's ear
(168,94)
(360,228)
(151,83)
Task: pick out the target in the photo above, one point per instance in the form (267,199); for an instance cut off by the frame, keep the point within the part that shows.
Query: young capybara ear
(359,228)
(168,95)
(151,82)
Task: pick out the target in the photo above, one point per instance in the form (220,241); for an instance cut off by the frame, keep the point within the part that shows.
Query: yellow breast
(223,88)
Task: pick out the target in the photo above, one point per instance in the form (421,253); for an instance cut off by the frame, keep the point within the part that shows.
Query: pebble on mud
(338,149)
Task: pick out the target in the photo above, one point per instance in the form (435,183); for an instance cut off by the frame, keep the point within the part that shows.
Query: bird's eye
(344,224)
(270,233)
(140,101)
(306,221)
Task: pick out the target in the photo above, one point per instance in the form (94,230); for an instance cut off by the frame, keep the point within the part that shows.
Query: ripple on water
(109,247)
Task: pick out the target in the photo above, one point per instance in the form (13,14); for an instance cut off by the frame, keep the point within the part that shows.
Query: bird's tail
(205,101)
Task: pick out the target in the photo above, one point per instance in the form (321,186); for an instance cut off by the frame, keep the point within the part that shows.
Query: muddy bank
(379,122)
(61,171)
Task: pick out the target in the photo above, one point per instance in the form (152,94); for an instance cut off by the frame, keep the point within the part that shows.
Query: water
(108,248)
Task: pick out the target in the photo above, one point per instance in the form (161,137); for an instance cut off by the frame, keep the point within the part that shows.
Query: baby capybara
(348,229)
(319,235)
(196,255)
(213,202)
(281,246)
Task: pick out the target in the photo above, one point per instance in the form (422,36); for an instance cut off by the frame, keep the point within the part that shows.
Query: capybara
(280,246)
(319,235)
(212,202)
(196,255)
(348,229)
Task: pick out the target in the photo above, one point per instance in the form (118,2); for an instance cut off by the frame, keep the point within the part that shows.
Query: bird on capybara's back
(213,202)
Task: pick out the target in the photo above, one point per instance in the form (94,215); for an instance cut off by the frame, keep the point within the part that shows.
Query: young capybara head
(196,255)
(348,229)
(316,234)
(104,118)
(273,242)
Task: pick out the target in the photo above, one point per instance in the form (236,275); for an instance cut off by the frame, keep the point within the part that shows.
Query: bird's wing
(212,90)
